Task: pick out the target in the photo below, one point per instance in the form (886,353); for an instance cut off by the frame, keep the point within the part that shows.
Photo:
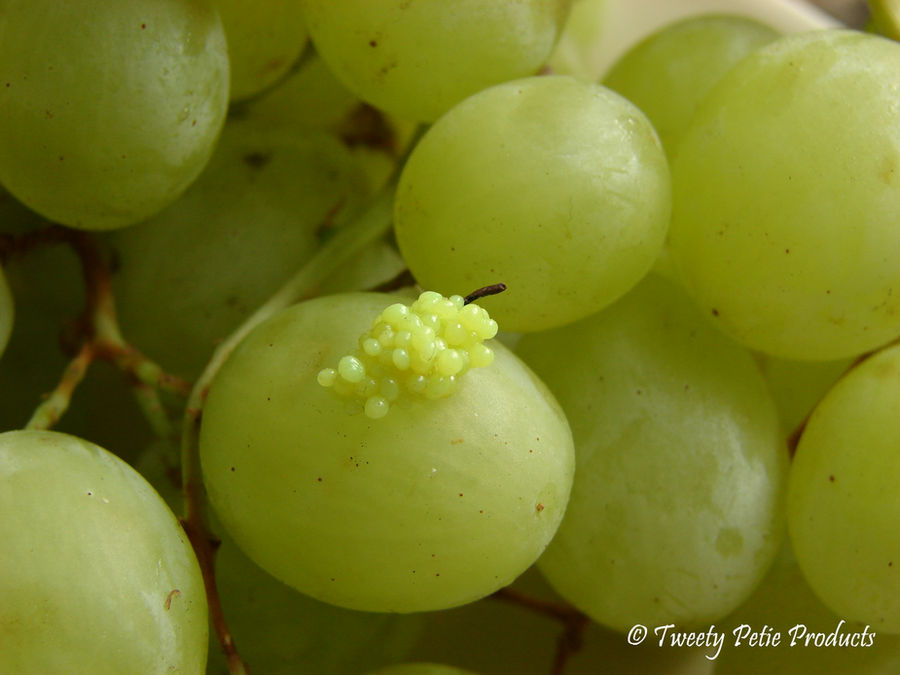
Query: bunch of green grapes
(380,473)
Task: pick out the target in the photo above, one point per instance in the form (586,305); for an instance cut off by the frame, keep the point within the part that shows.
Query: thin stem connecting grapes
(574,623)
(100,335)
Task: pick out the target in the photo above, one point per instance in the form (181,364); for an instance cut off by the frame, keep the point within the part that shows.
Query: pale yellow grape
(96,574)
(264,40)
(108,109)
(669,73)
(418,59)
(676,510)
(786,190)
(785,605)
(7,312)
(555,187)
(843,505)
(388,514)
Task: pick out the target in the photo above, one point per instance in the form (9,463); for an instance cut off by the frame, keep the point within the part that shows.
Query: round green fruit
(438,503)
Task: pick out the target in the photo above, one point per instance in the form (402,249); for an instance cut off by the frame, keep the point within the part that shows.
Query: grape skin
(418,59)
(96,575)
(677,506)
(109,109)
(264,40)
(670,72)
(843,506)
(786,194)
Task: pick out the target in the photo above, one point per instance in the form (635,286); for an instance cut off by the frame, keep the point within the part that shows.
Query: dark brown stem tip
(483,292)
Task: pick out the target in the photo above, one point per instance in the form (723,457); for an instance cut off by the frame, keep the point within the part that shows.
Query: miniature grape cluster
(421,350)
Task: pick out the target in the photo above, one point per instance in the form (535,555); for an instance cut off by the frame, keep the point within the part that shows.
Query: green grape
(676,510)
(843,506)
(109,109)
(96,574)
(579,44)
(885,18)
(797,386)
(279,631)
(264,40)
(418,59)
(784,604)
(669,73)
(555,187)
(421,669)
(386,514)
(7,312)
(599,32)
(189,276)
(786,190)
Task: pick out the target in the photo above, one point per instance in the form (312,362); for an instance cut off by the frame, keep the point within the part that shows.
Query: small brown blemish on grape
(232,468)
(257,160)
(373,43)
(319,479)
(456,441)
(539,508)
(831,478)
(890,563)
(143,26)
(715,312)
(480,510)
(174,594)
(437,574)
(90,494)
(787,250)
(460,494)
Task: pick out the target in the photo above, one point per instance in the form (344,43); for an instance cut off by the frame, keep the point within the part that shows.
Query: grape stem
(100,334)
(484,292)
(57,402)
(574,623)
